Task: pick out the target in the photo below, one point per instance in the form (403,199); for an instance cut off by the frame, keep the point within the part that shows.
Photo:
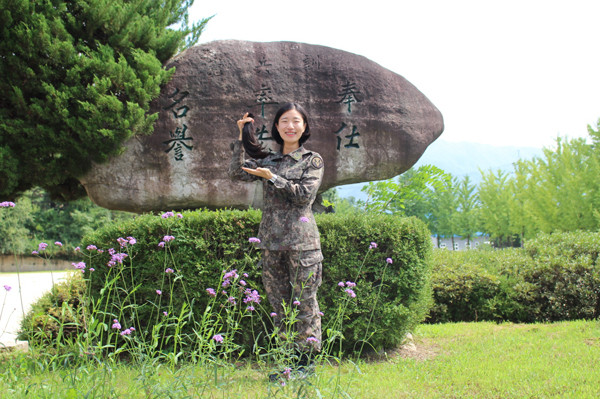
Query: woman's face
(291,126)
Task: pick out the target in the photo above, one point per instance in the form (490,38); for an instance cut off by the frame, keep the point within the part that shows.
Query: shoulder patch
(317,162)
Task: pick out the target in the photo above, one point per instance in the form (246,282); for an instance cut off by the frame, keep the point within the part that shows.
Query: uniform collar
(298,153)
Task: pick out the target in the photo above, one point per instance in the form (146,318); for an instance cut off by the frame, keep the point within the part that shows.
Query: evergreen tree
(76,79)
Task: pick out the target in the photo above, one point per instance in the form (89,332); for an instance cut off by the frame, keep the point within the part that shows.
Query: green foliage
(555,277)
(77,79)
(13,233)
(391,298)
(409,189)
(57,315)
(37,218)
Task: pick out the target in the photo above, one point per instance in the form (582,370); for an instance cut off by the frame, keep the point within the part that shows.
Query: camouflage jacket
(287,221)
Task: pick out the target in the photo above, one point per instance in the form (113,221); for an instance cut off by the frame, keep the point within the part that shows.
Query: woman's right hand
(245,119)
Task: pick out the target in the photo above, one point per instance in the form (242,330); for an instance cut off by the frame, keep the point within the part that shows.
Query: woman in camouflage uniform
(289,238)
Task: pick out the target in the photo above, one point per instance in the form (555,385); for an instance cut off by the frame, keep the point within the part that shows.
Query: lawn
(463,360)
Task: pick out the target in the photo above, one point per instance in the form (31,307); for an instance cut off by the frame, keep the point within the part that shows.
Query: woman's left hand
(260,172)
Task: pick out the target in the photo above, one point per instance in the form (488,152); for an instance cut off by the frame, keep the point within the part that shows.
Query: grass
(462,360)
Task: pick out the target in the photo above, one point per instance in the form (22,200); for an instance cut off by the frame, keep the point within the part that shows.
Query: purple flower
(373,245)
(251,296)
(341,284)
(167,215)
(168,238)
(7,287)
(117,258)
(165,313)
(179,216)
(35,253)
(304,219)
(132,241)
(169,270)
(312,339)
(218,338)
(226,283)
(211,292)
(245,275)
(77,249)
(80,265)
(350,292)
(91,269)
(161,244)
(42,246)
(58,243)
(273,314)
(296,302)
(389,260)
(111,251)
(286,372)
(250,308)
(122,242)
(232,274)
(116,324)
(321,314)
(7,204)
(350,284)
(254,239)
(100,251)
(231,300)
(91,247)
(242,283)
(158,292)
(126,332)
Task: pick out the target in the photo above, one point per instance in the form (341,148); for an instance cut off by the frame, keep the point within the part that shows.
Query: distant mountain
(460,159)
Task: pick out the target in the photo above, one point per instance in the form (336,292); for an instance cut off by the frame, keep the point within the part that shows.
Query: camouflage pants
(290,276)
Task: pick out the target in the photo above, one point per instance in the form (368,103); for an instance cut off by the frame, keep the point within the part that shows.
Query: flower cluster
(124,241)
(218,338)
(304,219)
(128,331)
(116,257)
(80,266)
(168,270)
(252,296)
(211,292)
(373,245)
(254,240)
(7,204)
(7,288)
(228,276)
(348,285)
(167,215)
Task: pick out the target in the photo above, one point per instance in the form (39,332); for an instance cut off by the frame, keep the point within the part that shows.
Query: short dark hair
(288,107)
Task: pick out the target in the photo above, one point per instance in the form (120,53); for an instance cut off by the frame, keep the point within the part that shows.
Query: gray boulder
(367,122)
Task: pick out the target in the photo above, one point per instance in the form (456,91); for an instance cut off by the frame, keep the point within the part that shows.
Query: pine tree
(77,78)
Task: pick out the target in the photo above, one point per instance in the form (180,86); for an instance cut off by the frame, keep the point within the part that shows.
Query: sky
(504,73)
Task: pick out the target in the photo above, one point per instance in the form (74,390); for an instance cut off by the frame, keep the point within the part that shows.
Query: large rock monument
(367,122)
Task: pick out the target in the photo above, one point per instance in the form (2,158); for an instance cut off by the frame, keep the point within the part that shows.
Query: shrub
(554,277)
(391,297)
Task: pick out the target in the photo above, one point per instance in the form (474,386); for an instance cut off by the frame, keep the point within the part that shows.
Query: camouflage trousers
(290,276)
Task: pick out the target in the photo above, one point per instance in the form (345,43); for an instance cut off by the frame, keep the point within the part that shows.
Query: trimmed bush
(554,277)
(392,297)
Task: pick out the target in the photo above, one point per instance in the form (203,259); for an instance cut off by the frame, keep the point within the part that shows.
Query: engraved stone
(367,122)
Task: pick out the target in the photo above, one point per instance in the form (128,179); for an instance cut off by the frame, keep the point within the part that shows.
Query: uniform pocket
(311,257)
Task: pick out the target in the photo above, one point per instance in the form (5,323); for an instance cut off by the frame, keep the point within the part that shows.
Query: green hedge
(207,243)
(554,277)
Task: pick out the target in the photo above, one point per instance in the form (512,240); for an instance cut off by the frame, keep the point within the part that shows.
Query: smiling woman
(288,234)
